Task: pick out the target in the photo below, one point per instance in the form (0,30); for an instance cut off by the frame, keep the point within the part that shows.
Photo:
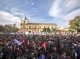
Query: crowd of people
(13,46)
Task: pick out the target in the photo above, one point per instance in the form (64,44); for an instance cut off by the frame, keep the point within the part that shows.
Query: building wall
(34,27)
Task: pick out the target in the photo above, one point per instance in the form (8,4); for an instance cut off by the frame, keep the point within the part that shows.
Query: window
(23,26)
(29,26)
(24,21)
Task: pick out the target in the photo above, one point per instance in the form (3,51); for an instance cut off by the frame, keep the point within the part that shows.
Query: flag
(44,44)
(18,42)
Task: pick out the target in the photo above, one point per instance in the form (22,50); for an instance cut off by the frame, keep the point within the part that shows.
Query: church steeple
(25,18)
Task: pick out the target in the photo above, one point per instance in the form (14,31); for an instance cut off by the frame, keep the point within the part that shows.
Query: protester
(21,46)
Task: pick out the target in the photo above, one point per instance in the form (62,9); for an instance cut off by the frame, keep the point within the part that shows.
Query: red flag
(44,44)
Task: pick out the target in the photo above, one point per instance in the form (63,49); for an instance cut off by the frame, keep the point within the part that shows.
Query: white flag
(18,42)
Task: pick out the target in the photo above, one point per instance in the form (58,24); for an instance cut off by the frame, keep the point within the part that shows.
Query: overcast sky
(41,11)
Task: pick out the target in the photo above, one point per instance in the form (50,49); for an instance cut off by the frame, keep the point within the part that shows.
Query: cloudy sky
(41,11)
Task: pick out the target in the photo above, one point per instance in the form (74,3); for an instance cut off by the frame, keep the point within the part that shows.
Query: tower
(25,20)
(24,23)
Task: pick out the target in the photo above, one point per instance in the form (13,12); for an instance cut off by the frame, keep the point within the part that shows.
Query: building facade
(25,26)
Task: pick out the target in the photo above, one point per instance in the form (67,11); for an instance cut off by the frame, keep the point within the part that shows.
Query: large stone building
(26,26)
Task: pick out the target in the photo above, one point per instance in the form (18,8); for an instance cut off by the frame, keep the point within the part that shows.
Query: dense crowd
(13,46)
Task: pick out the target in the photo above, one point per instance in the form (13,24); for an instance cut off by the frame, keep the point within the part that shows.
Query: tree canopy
(75,23)
(8,29)
(46,30)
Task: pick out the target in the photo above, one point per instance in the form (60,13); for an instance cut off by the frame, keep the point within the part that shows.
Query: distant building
(25,26)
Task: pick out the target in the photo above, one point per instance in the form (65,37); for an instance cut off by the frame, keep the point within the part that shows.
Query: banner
(18,42)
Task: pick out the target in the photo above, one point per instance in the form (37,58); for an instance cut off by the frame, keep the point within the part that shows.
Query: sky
(59,12)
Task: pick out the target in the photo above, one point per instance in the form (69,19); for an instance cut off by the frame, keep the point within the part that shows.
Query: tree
(14,28)
(1,28)
(54,29)
(7,28)
(75,24)
(46,30)
(10,28)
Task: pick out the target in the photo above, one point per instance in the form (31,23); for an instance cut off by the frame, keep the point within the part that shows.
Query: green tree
(75,24)
(54,29)
(44,30)
(48,30)
(9,28)
(1,28)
